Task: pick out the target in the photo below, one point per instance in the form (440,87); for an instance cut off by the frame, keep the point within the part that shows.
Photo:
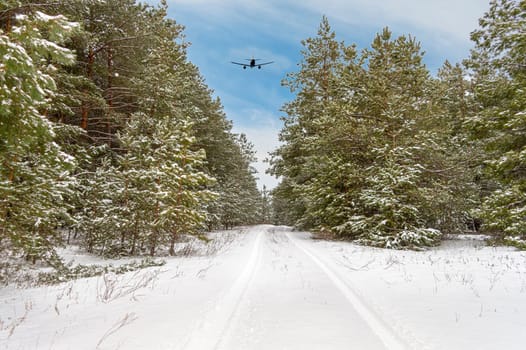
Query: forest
(110,137)
(378,150)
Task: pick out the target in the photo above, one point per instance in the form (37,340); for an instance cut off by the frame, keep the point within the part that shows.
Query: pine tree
(456,167)
(393,98)
(239,198)
(309,116)
(110,51)
(499,75)
(265,206)
(35,173)
(162,181)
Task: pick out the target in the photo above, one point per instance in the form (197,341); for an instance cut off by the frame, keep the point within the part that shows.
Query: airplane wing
(241,64)
(262,64)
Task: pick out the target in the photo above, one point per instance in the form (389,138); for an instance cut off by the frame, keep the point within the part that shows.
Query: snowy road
(267,287)
(287,298)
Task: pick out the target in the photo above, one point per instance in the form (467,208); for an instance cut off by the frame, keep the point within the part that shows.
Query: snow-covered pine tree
(110,51)
(266,206)
(310,116)
(455,166)
(35,174)
(238,202)
(499,74)
(160,159)
(393,98)
(163,193)
(98,219)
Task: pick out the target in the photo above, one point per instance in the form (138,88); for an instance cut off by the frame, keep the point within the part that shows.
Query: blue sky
(221,31)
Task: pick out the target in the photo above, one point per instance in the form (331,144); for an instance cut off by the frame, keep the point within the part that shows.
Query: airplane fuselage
(252,63)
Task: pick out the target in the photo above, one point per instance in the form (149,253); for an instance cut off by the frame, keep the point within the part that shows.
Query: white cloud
(453,18)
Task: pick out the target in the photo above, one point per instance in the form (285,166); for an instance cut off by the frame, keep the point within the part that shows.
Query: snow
(46,18)
(268,287)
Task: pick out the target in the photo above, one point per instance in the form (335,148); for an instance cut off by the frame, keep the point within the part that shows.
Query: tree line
(109,134)
(378,150)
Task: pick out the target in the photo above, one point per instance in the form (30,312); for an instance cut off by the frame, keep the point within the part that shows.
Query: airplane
(252,63)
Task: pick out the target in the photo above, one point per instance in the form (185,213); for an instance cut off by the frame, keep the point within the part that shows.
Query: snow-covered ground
(267,287)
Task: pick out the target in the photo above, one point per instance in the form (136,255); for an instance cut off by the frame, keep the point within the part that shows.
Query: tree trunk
(5,208)
(134,237)
(85,105)
(155,233)
(172,246)
(109,90)
(172,243)
(153,243)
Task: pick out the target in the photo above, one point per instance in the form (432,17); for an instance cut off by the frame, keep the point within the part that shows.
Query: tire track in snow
(384,332)
(214,328)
